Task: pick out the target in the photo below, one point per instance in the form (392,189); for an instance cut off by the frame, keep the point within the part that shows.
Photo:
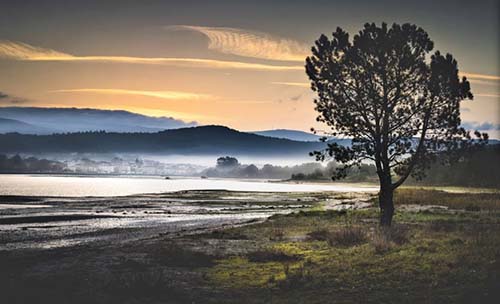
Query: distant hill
(35,120)
(11,125)
(299,136)
(195,140)
(289,134)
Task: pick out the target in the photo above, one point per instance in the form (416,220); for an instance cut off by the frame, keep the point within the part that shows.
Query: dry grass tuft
(276,234)
(346,236)
(384,239)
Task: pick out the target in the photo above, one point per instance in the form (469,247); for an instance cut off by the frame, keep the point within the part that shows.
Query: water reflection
(34,185)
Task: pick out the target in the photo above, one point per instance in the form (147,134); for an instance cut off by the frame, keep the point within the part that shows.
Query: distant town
(138,166)
(85,165)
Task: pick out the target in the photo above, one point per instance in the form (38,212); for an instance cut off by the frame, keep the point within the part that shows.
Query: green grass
(488,201)
(432,256)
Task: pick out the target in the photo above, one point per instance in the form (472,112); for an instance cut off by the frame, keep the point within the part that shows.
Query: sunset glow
(211,70)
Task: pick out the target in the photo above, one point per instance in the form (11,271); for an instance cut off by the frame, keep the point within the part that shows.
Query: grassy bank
(438,256)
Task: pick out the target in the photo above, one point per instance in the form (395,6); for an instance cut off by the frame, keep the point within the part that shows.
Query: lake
(75,186)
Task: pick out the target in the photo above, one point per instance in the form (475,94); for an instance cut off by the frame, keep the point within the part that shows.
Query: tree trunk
(386,205)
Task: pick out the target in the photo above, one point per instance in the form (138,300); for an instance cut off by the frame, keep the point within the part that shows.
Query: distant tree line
(17,164)
(199,140)
(228,166)
(475,168)
(363,173)
(479,167)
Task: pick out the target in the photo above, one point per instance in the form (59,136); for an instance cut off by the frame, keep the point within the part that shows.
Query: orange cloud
(294,84)
(171,95)
(250,43)
(487,95)
(480,76)
(26,52)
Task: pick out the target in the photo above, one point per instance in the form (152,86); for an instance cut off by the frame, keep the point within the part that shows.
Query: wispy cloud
(474,78)
(474,125)
(480,76)
(6,99)
(482,79)
(488,95)
(250,43)
(294,84)
(170,95)
(296,97)
(238,101)
(227,40)
(25,52)
(485,82)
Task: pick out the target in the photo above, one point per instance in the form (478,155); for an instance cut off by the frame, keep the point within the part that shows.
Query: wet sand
(52,222)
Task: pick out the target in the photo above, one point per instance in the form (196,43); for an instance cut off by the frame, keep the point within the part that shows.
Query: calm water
(43,185)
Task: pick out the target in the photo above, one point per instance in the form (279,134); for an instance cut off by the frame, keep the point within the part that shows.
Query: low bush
(385,239)
(295,278)
(276,233)
(345,236)
(318,235)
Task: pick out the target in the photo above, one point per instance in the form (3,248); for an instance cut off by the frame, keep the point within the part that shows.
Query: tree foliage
(398,103)
(380,90)
(17,164)
(227,162)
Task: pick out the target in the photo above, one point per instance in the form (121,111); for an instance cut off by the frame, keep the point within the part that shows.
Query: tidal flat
(250,247)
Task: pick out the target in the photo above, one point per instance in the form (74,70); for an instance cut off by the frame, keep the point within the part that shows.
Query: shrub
(385,239)
(398,234)
(295,278)
(381,243)
(276,233)
(318,235)
(346,236)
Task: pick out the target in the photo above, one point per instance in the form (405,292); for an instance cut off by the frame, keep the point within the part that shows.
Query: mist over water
(210,160)
(74,186)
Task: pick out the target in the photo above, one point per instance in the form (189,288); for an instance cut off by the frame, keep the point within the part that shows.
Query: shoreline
(24,223)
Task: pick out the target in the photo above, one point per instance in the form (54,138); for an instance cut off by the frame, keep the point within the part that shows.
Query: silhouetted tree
(16,164)
(250,171)
(399,107)
(227,162)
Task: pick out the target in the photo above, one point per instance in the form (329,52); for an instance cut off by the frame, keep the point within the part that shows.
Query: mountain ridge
(211,139)
(8,125)
(58,120)
(288,134)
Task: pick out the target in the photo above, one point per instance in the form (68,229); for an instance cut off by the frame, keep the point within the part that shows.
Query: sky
(233,63)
